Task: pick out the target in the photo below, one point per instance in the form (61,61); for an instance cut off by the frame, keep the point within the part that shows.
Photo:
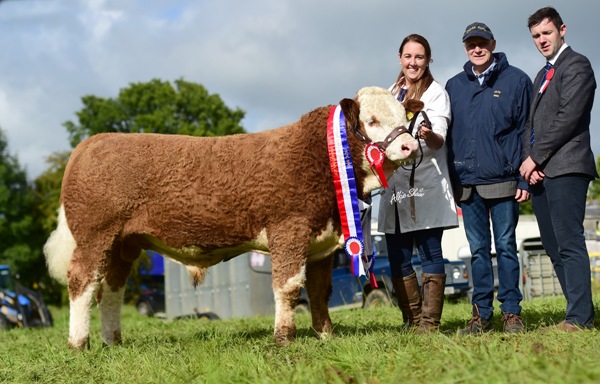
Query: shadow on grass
(536,314)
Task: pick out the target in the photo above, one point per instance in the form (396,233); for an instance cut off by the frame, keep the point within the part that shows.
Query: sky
(274,59)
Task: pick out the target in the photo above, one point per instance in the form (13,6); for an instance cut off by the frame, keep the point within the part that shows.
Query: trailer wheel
(144,309)
(208,316)
(377,298)
(4,326)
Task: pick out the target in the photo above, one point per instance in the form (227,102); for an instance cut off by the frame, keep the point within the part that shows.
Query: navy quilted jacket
(484,137)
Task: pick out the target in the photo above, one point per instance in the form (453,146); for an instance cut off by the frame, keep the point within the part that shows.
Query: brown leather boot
(433,301)
(409,299)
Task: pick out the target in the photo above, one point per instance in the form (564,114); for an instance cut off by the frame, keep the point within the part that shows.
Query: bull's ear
(351,112)
(413,105)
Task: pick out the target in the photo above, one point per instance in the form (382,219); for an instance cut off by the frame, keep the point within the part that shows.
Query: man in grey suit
(559,163)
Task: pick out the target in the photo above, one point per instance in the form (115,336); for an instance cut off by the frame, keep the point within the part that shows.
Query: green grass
(369,347)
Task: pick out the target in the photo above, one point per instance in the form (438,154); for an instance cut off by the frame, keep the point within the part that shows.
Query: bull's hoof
(285,337)
(114,340)
(79,345)
(323,327)
(325,335)
(283,342)
(112,344)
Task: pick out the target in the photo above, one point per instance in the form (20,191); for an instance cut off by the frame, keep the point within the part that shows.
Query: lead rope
(413,211)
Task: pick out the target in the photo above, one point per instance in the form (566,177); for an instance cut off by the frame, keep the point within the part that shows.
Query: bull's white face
(380,113)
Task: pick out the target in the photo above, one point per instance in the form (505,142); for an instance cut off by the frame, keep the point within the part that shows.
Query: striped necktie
(402,94)
(548,74)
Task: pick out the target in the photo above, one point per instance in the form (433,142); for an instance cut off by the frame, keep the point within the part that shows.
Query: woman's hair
(417,89)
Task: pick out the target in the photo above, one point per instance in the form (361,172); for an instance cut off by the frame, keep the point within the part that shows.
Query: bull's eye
(371,122)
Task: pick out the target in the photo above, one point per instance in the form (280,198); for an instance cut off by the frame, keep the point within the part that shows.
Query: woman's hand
(432,139)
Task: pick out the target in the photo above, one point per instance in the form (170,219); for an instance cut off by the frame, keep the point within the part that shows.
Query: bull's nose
(409,150)
(410,146)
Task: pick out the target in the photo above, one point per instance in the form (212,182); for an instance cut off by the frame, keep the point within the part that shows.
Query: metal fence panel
(230,289)
(539,278)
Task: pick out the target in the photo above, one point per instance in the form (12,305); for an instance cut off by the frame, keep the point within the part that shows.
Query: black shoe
(477,325)
(512,323)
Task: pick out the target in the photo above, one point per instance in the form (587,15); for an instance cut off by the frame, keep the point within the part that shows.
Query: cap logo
(478,27)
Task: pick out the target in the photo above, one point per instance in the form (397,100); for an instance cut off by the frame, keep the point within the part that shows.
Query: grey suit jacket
(560,118)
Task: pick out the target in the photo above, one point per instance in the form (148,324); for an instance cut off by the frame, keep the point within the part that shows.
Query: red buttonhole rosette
(375,157)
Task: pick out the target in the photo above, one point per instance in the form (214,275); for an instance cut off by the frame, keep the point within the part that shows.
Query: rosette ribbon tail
(340,161)
(372,279)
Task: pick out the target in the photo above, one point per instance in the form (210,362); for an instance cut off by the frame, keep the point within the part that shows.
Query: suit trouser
(559,206)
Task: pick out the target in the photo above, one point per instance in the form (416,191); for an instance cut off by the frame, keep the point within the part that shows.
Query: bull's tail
(59,248)
(196,274)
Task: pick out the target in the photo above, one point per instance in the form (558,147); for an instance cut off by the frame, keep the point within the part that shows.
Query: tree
(47,189)
(594,190)
(157,107)
(525,208)
(21,238)
(47,196)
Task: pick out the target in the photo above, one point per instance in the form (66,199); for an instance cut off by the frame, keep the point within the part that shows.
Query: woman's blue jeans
(504,215)
(429,246)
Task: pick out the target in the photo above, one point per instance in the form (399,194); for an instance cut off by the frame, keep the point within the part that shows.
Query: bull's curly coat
(204,200)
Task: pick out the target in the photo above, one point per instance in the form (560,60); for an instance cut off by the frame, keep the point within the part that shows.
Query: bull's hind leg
(110,295)
(288,254)
(318,288)
(82,282)
(109,303)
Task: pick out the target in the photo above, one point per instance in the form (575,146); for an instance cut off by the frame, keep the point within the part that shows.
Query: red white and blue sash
(340,161)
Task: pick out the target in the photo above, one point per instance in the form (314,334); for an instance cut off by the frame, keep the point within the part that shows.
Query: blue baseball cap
(478,30)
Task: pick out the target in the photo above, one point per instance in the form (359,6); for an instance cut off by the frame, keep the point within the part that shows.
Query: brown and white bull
(201,201)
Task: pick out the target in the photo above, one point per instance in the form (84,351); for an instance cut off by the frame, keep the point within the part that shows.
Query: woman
(434,208)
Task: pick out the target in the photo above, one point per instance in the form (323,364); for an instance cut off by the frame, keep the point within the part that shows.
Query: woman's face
(413,61)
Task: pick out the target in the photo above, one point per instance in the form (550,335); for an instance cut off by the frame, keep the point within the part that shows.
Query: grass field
(369,347)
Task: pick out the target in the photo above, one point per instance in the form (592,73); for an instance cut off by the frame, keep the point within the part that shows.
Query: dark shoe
(433,302)
(512,323)
(477,325)
(563,326)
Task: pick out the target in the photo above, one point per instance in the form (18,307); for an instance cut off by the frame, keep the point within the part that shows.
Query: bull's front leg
(318,287)
(288,254)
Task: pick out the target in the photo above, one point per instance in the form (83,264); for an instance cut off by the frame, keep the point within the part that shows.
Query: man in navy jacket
(559,163)
(490,103)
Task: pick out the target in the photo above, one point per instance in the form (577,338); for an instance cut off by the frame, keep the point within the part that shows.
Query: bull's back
(121,167)
(148,182)
(198,189)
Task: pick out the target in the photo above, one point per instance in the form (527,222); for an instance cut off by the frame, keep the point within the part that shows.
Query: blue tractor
(20,307)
